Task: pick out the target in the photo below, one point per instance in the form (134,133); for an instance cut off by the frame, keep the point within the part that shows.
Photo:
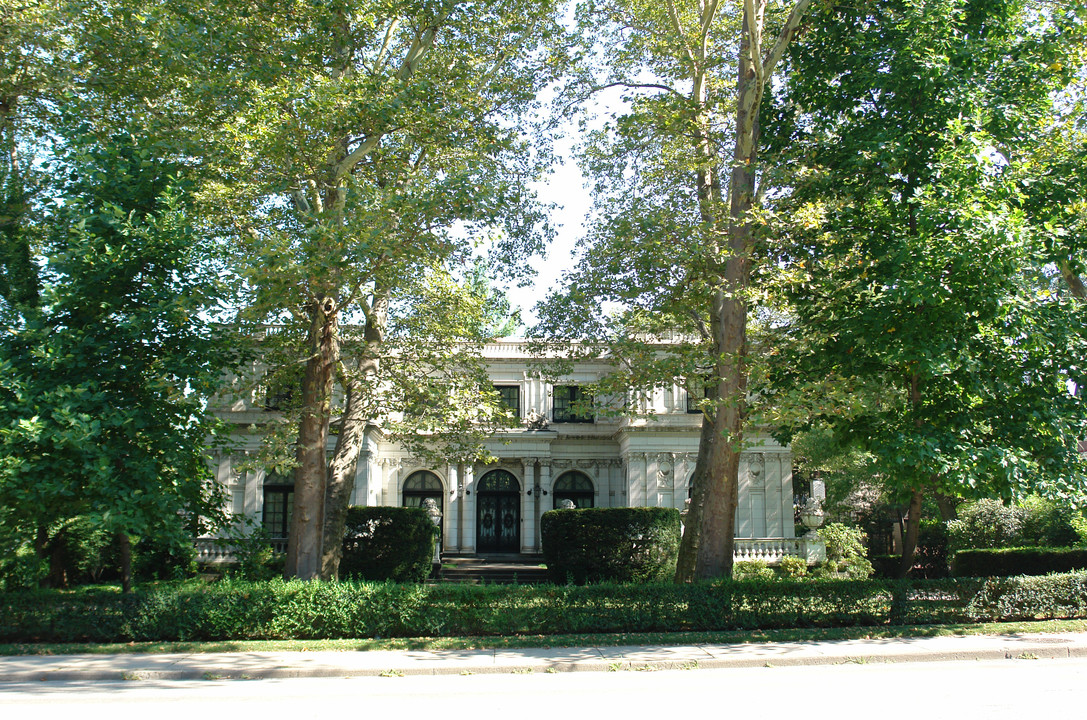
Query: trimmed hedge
(388,543)
(236,610)
(1030,598)
(1002,562)
(636,545)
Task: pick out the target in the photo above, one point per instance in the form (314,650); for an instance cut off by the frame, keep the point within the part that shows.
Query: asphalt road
(989,690)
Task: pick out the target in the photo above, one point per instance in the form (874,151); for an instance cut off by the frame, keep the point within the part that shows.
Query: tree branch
(674,17)
(754,32)
(792,24)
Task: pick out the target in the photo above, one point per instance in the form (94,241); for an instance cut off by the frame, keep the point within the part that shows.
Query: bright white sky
(565,187)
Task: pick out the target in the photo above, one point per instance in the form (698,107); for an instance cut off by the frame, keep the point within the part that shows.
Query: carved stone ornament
(535,421)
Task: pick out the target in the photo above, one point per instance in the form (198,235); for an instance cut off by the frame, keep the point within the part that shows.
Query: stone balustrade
(212,551)
(772,550)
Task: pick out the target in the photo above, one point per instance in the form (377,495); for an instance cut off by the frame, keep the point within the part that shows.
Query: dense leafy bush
(845,551)
(1017,561)
(611,544)
(793,567)
(236,610)
(1029,598)
(1049,524)
(752,570)
(992,524)
(20,568)
(985,524)
(931,557)
(388,543)
(163,557)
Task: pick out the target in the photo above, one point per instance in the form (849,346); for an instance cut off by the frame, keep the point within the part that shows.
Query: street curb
(284,665)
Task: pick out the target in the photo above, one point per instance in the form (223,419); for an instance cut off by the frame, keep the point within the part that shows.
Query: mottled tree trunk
(692,528)
(949,510)
(341,478)
(728,325)
(1074,281)
(307,523)
(341,472)
(730,236)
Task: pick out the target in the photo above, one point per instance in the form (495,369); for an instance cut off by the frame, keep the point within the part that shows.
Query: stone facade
(602,462)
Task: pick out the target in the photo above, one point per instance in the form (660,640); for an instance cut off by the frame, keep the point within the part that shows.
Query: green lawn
(535,641)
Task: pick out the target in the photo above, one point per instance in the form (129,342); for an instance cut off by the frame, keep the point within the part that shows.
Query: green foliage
(986,523)
(1017,561)
(21,569)
(610,544)
(252,550)
(789,567)
(752,570)
(1028,598)
(103,383)
(932,557)
(1049,523)
(164,557)
(907,264)
(993,524)
(235,610)
(845,551)
(388,543)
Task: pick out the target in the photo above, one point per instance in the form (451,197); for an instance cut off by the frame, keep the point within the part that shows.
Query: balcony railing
(213,551)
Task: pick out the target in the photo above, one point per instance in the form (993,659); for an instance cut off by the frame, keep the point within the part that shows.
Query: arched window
(576,487)
(498,481)
(421,485)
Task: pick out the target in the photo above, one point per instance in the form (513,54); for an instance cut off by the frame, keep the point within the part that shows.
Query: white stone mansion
(595,462)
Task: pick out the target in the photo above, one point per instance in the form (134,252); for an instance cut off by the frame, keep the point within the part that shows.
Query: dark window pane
(511,397)
(278,507)
(565,398)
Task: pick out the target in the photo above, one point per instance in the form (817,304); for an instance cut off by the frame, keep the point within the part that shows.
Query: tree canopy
(920,319)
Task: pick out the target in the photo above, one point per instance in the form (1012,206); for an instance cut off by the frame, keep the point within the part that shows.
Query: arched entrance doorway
(576,487)
(498,513)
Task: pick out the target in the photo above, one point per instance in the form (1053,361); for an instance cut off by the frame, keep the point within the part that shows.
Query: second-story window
(511,398)
(696,393)
(570,404)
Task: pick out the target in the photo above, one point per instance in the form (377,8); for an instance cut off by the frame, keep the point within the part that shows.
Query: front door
(498,513)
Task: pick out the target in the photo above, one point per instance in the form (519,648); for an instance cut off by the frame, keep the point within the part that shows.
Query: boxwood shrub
(610,544)
(1031,597)
(278,609)
(1002,562)
(388,543)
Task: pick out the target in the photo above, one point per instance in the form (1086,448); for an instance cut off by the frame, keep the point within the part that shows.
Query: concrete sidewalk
(253,665)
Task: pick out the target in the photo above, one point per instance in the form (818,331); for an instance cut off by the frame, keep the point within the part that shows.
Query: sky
(565,187)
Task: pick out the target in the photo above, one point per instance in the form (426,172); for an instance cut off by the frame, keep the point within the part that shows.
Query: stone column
(530,534)
(454,513)
(468,523)
(636,480)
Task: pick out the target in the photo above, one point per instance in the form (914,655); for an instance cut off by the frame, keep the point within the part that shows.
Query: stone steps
(498,571)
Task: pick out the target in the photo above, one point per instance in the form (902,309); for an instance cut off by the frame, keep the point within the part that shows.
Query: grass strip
(792,635)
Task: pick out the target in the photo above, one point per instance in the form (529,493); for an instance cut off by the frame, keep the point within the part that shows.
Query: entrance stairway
(493,569)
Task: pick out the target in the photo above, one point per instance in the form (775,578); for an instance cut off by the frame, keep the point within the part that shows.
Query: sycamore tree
(920,320)
(675,181)
(354,152)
